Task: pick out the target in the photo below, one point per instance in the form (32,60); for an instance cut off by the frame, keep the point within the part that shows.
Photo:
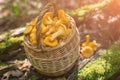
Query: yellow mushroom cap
(33,38)
(51,29)
(33,22)
(48,42)
(60,32)
(44,28)
(93,45)
(28,29)
(62,16)
(33,30)
(87,52)
(47,18)
(30,26)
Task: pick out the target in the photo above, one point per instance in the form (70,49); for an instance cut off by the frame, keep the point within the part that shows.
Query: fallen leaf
(25,65)
(15,73)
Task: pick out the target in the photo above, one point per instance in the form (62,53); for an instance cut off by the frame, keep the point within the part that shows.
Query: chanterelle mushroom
(62,16)
(48,42)
(87,52)
(60,32)
(93,45)
(28,30)
(33,36)
(88,47)
(56,26)
(47,18)
(53,28)
(87,41)
(44,28)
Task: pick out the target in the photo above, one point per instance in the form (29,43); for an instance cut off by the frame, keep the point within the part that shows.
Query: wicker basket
(57,60)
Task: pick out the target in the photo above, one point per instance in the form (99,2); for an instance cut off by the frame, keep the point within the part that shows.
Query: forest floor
(103,25)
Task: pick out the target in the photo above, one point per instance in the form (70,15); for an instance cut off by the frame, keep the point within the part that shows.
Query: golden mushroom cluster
(54,28)
(88,47)
(31,31)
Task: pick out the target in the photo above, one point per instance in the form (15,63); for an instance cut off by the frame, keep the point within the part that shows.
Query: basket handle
(38,29)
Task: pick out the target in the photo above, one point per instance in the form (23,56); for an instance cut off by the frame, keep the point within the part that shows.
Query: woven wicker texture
(57,60)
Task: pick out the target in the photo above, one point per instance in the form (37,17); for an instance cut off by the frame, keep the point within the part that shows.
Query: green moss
(16,39)
(10,42)
(34,77)
(81,12)
(9,45)
(3,64)
(103,67)
(2,45)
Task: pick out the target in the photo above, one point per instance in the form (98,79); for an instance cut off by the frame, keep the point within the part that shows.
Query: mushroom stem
(59,32)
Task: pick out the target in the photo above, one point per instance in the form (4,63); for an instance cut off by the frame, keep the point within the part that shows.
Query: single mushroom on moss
(87,52)
(88,47)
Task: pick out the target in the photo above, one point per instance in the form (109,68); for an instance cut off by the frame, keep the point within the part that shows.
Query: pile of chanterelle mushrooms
(54,28)
(89,47)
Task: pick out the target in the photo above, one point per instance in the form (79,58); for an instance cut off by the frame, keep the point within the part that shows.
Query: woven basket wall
(58,60)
